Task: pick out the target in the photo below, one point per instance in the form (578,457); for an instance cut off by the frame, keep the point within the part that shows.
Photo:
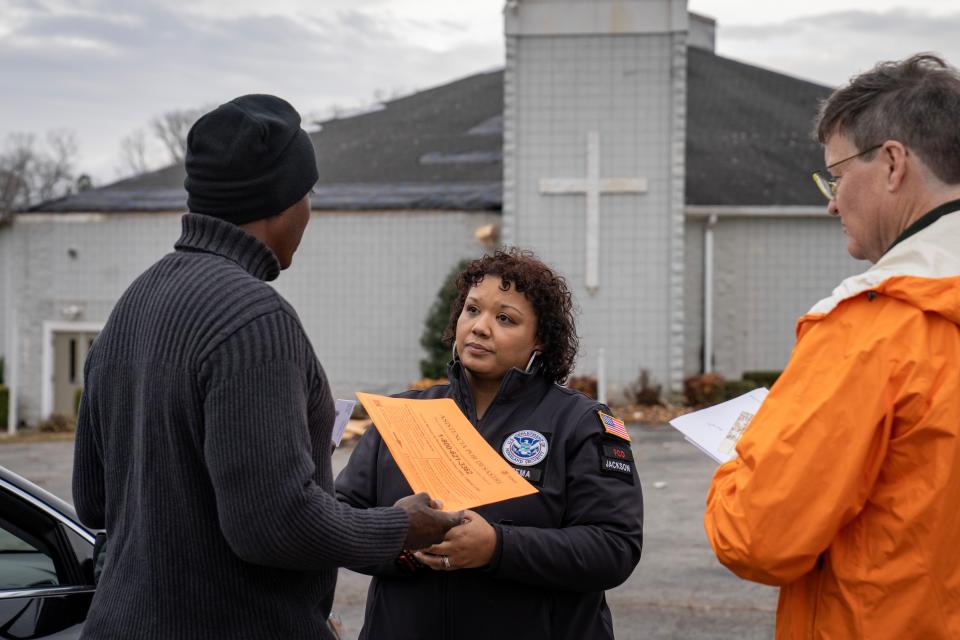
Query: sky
(105,68)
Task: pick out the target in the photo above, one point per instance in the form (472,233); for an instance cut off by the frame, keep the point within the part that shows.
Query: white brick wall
(361,282)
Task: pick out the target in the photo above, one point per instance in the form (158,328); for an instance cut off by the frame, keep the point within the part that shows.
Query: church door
(69,352)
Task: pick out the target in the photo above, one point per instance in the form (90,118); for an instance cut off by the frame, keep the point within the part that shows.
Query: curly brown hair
(546,290)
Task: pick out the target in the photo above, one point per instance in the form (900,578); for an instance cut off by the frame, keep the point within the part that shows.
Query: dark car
(46,563)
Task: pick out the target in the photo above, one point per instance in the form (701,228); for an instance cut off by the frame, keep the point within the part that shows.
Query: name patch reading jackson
(617,465)
(616,459)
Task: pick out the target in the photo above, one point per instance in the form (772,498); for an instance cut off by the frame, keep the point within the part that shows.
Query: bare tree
(15,163)
(30,173)
(133,153)
(54,168)
(383,96)
(172,127)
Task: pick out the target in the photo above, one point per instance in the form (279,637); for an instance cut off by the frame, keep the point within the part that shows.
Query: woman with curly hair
(536,566)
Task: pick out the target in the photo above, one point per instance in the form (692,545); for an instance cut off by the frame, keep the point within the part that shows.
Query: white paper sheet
(716,430)
(344,409)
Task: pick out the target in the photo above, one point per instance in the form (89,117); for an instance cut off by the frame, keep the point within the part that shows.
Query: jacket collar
(516,387)
(931,252)
(925,221)
(206,234)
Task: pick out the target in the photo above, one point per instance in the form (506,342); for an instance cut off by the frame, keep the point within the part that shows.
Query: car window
(25,561)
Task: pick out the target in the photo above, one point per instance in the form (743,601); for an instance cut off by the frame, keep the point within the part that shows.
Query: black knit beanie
(248,159)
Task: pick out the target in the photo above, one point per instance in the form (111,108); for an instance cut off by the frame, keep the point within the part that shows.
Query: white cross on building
(593,185)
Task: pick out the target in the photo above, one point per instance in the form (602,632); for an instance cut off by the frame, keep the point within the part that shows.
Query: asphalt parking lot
(678,591)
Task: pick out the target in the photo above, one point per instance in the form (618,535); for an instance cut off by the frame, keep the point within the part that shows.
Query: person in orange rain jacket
(846,490)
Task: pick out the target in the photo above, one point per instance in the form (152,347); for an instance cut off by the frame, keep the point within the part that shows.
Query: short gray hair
(914,101)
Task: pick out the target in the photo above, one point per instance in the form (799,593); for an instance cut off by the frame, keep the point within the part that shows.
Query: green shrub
(438,353)
(762,378)
(734,388)
(4,406)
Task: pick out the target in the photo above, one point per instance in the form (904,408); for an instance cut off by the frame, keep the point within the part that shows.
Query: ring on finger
(446,562)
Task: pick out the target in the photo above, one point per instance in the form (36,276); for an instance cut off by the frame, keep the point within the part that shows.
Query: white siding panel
(768,273)
(78,261)
(363,283)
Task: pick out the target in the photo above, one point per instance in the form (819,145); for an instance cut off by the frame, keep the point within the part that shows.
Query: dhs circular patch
(525,448)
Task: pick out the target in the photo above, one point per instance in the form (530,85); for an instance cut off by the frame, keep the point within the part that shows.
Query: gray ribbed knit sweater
(203,448)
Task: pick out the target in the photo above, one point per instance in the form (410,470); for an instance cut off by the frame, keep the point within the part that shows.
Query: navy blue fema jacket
(557,550)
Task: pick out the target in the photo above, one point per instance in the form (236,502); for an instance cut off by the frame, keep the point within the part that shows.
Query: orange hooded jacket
(846,491)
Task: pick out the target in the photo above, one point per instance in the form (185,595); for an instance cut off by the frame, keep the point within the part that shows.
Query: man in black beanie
(203,440)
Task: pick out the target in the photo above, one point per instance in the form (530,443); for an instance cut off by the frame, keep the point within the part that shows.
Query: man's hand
(468,546)
(428,525)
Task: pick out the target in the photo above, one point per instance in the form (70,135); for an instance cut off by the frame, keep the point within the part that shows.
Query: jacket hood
(923,271)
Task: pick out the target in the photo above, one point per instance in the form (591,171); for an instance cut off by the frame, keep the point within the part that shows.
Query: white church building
(671,186)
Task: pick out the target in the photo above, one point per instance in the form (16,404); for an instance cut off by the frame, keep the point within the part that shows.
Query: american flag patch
(613,426)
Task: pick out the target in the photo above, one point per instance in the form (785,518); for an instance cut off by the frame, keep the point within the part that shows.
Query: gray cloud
(875,23)
(830,48)
(106,69)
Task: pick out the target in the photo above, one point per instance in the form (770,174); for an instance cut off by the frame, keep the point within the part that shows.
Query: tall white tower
(594,122)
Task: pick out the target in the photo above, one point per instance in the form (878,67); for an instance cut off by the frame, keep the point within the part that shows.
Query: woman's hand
(466,546)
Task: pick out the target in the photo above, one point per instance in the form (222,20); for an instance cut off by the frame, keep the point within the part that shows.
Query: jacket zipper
(816,596)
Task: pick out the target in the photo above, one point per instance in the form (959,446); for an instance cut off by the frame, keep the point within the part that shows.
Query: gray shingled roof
(748,143)
(749,134)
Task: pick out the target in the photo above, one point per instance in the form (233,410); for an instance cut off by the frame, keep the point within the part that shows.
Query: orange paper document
(440,452)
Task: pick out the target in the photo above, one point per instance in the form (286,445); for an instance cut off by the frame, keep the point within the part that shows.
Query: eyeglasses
(828,183)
